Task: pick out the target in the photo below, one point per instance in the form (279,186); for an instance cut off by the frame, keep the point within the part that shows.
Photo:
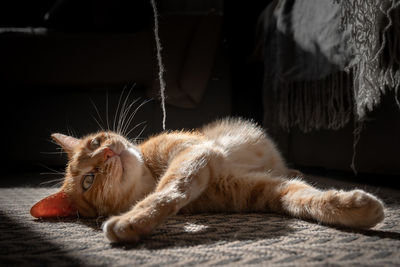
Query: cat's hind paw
(359,209)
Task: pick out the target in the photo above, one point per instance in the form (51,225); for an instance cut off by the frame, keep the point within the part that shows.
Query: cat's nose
(108,153)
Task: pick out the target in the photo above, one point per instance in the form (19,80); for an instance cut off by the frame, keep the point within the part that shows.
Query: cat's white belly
(251,155)
(246,146)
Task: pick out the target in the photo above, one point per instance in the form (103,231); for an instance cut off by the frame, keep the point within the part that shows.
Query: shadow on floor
(19,246)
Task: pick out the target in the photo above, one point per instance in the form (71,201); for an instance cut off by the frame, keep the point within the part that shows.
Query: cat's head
(104,176)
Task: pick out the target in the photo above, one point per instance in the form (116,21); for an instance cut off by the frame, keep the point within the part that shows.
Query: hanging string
(358,127)
(161,68)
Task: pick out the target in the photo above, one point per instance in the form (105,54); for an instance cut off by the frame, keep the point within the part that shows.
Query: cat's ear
(53,206)
(68,143)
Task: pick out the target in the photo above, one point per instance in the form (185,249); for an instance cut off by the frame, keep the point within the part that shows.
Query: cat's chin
(131,161)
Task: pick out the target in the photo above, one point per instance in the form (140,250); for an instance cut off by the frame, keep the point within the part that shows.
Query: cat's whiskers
(101,125)
(54,153)
(53,171)
(131,116)
(140,133)
(107,121)
(70,131)
(116,111)
(60,150)
(123,111)
(120,110)
(98,114)
(58,181)
(122,120)
(123,116)
(137,125)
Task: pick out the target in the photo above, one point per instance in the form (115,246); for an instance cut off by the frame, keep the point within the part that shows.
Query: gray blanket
(321,56)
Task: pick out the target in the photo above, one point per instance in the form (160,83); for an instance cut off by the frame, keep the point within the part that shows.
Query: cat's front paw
(124,229)
(360,209)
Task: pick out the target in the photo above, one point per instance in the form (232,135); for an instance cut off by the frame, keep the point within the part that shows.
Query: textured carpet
(206,239)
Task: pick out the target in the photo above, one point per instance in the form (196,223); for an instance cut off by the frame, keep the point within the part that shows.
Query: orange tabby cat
(229,165)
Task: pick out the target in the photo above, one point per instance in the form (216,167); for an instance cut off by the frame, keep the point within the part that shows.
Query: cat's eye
(87,181)
(95,143)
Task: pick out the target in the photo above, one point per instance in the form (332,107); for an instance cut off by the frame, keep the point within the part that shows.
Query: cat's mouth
(112,154)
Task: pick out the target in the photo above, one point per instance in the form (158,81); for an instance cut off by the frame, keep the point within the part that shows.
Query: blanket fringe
(375,36)
(311,105)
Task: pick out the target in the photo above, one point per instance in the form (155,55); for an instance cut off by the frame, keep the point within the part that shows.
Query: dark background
(91,53)
(94,51)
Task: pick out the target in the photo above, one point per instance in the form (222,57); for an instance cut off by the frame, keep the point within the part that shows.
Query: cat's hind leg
(354,208)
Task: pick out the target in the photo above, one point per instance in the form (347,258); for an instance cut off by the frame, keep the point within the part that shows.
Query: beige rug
(206,239)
